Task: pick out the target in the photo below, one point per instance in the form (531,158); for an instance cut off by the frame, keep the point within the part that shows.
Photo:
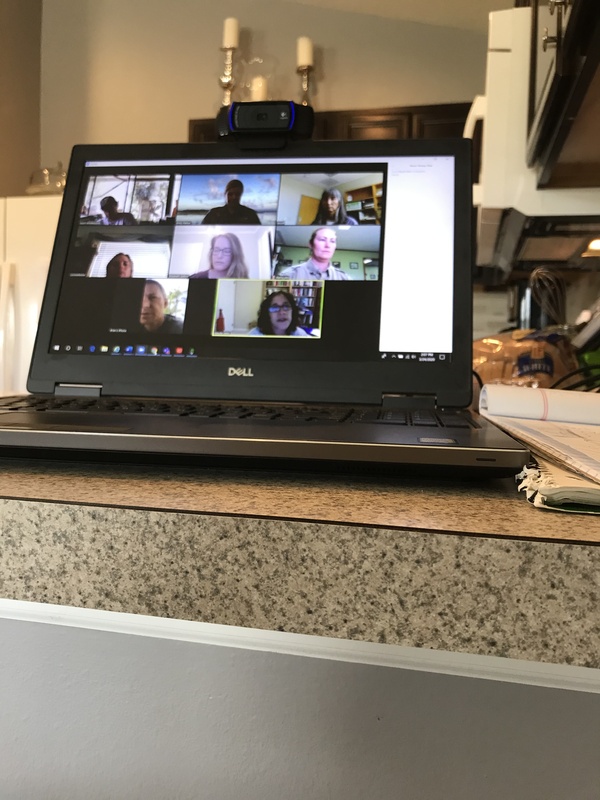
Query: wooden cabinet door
(386,123)
(445,121)
(547,82)
(202,130)
(563,142)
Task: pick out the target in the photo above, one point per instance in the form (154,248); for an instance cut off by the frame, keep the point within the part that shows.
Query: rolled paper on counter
(304,52)
(231,33)
(526,402)
(258,89)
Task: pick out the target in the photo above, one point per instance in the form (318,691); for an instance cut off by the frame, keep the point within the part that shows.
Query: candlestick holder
(253,72)
(227,81)
(304,73)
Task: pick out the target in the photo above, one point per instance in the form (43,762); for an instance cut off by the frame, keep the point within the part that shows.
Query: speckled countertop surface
(375,559)
(490,507)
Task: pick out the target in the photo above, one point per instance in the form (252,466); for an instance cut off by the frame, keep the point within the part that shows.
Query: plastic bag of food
(525,358)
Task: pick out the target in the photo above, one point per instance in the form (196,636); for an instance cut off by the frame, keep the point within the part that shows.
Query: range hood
(522,242)
(519,225)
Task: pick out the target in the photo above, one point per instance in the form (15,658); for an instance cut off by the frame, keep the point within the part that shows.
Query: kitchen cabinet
(202,130)
(381,123)
(404,122)
(408,122)
(547,79)
(564,93)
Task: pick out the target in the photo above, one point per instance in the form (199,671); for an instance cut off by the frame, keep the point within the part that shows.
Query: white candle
(258,89)
(304,52)
(231,32)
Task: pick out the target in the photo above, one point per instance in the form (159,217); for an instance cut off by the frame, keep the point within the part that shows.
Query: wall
(100,705)
(20,36)
(138,70)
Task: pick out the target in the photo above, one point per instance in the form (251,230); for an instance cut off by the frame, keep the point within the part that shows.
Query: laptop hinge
(77,390)
(408,401)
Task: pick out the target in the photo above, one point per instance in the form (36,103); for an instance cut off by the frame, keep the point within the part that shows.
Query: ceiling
(469,15)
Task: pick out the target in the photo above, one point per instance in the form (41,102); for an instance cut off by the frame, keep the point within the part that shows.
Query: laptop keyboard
(266,413)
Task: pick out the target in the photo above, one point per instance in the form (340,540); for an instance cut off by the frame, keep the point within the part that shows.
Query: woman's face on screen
(222,254)
(280,313)
(332,205)
(324,244)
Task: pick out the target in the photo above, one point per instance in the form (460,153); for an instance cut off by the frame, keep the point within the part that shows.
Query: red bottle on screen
(220,325)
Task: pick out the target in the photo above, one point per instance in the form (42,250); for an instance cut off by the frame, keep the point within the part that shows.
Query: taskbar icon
(124,349)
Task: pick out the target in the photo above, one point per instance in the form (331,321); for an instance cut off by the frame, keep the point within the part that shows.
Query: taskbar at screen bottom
(420,357)
(124,350)
(135,349)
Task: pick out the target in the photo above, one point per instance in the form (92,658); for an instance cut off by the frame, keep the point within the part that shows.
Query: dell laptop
(304,303)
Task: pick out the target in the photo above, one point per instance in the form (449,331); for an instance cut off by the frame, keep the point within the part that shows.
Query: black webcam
(270,121)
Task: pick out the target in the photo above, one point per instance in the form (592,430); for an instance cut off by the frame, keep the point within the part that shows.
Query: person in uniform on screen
(120,266)
(112,215)
(153,314)
(322,246)
(332,210)
(233,212)
(279,315)
(225,258)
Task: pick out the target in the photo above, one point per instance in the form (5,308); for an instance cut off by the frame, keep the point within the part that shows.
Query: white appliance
(506,182)
(27,230)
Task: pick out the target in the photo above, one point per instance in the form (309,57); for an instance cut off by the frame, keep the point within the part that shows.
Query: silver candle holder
(304,73)
(227,81)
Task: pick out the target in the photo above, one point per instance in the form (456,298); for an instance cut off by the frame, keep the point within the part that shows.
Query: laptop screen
(319,254)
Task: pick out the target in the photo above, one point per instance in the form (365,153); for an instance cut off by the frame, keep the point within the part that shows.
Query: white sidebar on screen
(418,256)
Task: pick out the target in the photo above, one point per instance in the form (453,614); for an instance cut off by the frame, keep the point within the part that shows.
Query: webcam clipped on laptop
(273,120)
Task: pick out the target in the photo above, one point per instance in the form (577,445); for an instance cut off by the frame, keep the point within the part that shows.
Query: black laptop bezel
(306,381)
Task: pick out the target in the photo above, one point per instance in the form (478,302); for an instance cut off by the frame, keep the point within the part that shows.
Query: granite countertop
(450,565)
(485,507)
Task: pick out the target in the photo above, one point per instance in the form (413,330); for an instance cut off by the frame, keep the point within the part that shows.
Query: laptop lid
(172,262)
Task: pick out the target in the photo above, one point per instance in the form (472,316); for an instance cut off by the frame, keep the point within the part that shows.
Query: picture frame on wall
(354,265)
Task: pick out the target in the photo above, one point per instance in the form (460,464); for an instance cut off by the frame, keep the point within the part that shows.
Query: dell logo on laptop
(240,372)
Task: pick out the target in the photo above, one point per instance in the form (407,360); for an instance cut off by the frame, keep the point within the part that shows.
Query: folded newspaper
(562,430)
